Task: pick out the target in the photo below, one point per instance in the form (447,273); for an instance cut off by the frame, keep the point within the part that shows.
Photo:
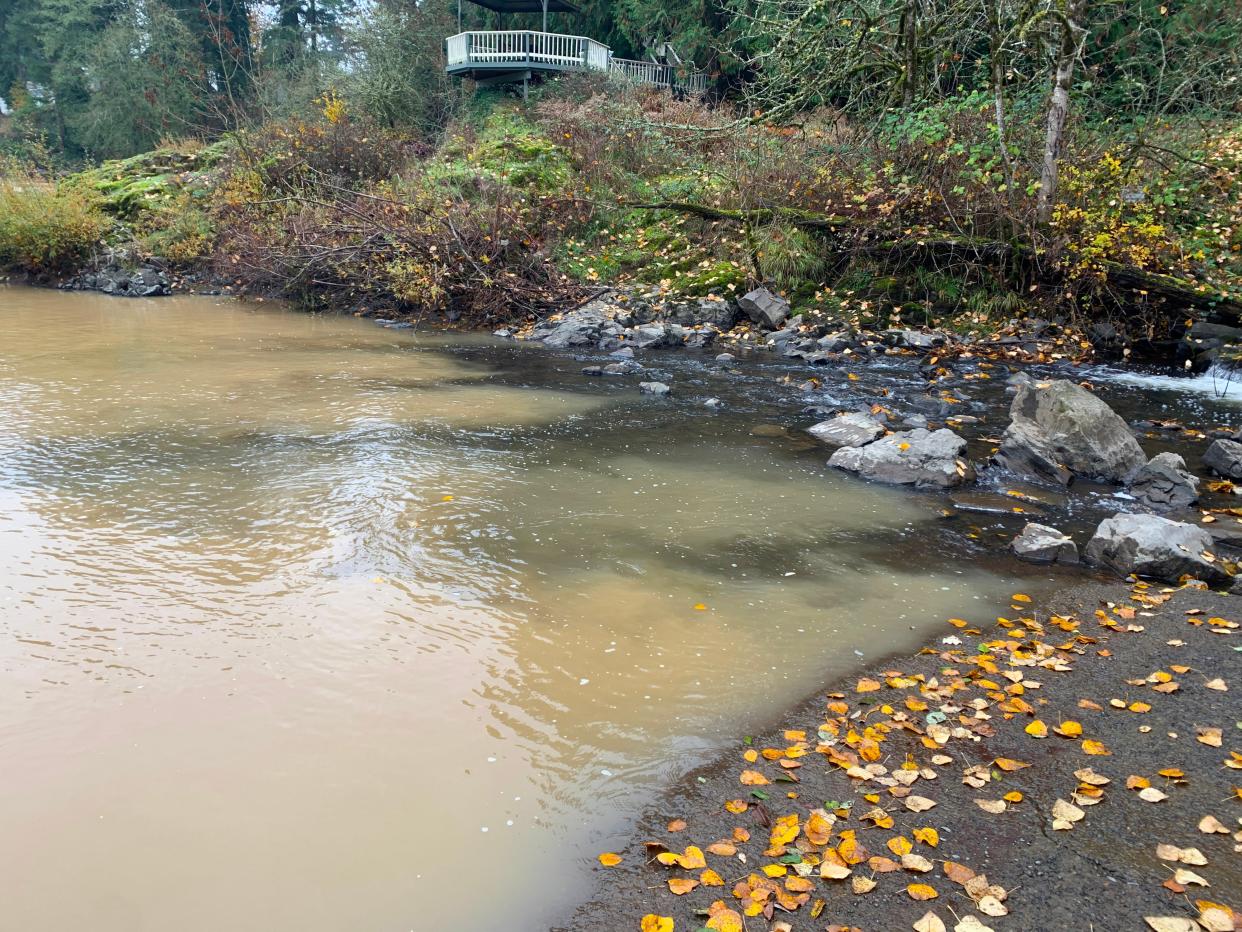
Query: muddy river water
(306,624)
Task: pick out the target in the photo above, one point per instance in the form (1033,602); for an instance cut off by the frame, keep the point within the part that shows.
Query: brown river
(310,625)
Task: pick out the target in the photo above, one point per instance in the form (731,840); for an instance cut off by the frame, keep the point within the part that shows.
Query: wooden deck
(515,55)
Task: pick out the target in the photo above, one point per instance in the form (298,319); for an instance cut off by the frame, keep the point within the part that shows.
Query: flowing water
(306,624)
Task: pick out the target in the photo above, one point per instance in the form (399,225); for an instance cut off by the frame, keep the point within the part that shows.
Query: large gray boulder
(648,335)
(1164,484)
(1060,430)
(764,308)
(1039,543)
(920,458)
(847,430)
(1224,457)
(1148,545)
(577,328)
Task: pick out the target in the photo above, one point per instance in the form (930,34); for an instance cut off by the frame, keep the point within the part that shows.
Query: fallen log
(1178,291)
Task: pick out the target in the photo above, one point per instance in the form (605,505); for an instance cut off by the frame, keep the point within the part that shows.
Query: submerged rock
(1164,484)
(653,388)
(926,459)
(1224,457)
(144,282)
(1148,545)
(1060,430)
(847,430)
(764,308)
(1039,543)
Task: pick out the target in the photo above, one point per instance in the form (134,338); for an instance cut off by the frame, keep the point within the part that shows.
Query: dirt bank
(986,743)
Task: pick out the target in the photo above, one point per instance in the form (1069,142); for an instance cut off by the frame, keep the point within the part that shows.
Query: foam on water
(1217,383)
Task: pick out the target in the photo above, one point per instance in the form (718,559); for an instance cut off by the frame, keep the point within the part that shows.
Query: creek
(309,624)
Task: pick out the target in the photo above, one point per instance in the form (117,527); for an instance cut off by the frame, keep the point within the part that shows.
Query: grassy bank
(516,210)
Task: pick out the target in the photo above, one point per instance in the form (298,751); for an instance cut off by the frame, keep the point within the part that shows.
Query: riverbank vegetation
(955,162)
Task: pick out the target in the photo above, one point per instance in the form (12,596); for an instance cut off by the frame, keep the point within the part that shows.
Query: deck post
(459,15)
(545,15)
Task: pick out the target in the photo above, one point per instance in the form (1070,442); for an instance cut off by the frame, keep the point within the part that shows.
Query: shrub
(46,228)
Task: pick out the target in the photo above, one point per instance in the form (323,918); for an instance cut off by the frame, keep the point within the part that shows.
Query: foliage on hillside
(522,208)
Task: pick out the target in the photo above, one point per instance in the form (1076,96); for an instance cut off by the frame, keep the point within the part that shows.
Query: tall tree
(1068,15)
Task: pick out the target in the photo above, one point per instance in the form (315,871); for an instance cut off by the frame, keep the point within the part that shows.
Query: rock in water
(653,388)
(1164,484)
(918,457)
(579,328)
(764,308)
(847,430)
(1148,545)
(1060,430)
(1039,543)
(1225,458)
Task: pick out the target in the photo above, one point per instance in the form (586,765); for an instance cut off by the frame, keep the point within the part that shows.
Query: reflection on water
(310,625)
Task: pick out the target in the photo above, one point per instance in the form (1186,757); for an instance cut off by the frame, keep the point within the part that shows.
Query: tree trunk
(1072,36)
(910,48)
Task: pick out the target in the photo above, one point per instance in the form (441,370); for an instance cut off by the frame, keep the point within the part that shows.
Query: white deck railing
(496,48)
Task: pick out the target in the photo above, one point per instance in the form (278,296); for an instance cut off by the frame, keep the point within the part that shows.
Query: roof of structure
(527,6)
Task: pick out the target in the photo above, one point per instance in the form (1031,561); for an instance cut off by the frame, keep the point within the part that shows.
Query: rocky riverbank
(1166,522)
(1070,766)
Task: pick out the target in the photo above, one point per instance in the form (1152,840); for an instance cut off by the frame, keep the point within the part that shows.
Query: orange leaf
(1008,764)
(608,859)
(679,886)
(922,891)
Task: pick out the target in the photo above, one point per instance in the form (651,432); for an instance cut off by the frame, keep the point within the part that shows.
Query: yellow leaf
(922,891)
(785,830)
(1069,729)
(737,806)
(847,847)
(720,918)
(1095,747)
(775,870)
(1013,797)
(1037,729)
(1020,597)
(608,859)
(900,845)
(753,778)
(928,836)
(866,685)
(818,827)
(653,923)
